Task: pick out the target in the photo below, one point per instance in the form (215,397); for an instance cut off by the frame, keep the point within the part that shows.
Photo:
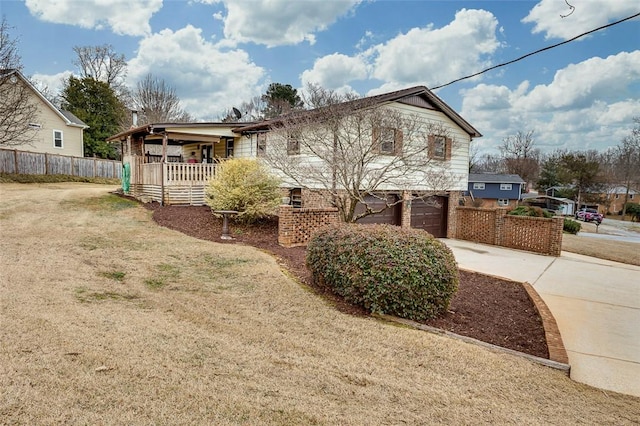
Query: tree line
(583,176)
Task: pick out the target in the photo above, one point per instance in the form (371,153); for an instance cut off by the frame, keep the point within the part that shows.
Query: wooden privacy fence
(38,163)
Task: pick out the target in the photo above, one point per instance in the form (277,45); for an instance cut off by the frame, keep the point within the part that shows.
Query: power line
(537,51)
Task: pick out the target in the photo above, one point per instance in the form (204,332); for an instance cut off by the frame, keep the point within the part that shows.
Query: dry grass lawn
(107,318)
(617,251)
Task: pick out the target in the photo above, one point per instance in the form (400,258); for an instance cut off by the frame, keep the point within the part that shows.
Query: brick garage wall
(495,227)
(452,213)
(295,226)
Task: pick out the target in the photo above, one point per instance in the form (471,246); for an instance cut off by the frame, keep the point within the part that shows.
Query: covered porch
(172,163)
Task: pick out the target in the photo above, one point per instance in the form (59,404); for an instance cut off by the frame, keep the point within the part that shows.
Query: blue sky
(218,53)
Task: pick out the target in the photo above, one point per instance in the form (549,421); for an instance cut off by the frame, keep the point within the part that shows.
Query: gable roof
(66,116)
(418,96)
(494,178)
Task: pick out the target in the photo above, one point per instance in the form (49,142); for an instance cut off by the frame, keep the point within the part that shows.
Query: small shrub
(531,211)
(633,210)
(477,202)
(385,269)
(244,185)
(571,226)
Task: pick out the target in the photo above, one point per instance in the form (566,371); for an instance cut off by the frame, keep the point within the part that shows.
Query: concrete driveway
(596,304)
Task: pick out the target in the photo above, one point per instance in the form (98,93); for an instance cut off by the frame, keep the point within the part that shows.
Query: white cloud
(588,105)
(422,56)
(51,84)
(208,80)
(431,56)
(279,22)
(587,15)
(335,71)
(122,16)
(578,84)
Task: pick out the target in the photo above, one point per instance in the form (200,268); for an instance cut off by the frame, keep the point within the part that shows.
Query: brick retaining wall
(295,226)
(495,227)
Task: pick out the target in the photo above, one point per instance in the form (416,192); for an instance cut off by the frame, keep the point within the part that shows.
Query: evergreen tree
(95,103)
(281,98)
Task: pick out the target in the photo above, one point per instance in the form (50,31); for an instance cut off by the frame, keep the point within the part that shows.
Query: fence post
(46,163)
(15,160)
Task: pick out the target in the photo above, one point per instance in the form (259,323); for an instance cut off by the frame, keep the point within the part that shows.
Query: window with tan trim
(439,147)
(387,140)
(293,144)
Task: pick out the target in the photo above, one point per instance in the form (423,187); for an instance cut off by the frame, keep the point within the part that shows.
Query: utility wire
(537,51)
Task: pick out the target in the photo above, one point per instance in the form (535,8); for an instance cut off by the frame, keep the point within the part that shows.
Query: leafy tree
(95,103)
(581,169)
(157,102)
(634,210)
(17,106)
(550,172)
(279,99)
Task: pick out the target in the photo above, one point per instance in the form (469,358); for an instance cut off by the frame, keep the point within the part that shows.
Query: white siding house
(425,129)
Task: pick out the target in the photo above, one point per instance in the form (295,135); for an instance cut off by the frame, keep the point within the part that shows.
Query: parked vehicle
(589,215)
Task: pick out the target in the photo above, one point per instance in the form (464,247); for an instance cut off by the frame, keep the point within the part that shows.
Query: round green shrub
(385,269)
(571,226)
(532,211)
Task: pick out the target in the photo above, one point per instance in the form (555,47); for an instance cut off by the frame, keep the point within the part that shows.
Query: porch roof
(180,133)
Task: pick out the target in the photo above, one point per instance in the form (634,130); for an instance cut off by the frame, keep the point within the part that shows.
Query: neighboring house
(562,206)
(616,197)
(182,183)
(56,131)
(493,190)
(607,201)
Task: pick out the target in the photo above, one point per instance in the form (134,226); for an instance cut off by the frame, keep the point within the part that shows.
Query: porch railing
(188,173)
(175,174)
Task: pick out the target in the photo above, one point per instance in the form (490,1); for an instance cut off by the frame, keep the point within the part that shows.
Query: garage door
(431,215)
(390,215)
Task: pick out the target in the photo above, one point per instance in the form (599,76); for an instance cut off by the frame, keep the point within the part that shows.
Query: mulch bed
(485,308)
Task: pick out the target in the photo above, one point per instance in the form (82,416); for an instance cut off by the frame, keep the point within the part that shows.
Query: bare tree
(349,151)
(627,161)
(249,111)
(18,110)
(102,63)
(520,155)
(157,102)
(488,163)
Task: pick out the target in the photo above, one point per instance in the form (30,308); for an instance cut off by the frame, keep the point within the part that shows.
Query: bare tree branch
(101,63)
(19,116)
(157,102)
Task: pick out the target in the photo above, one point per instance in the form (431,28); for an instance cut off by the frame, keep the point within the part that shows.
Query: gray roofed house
(495,190)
